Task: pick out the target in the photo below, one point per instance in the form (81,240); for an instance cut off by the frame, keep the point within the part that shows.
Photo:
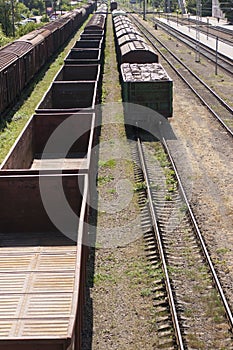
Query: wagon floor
(74,161)
(37,279)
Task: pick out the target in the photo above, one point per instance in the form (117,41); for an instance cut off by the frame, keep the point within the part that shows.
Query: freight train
(44,238)
(144,81)
(23,58)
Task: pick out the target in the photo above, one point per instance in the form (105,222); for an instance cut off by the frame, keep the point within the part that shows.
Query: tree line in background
(206,7)
(225,5)
(191,6)
(12,13)
(38,7)
(227,8)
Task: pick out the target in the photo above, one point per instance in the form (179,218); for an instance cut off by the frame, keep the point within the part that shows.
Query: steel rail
(160,248)
(204,50)
(199,79)
(213,31)
(229,108)
(200,238)
(223,62)
(185,80)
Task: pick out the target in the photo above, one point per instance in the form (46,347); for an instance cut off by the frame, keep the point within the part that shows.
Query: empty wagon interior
(64,139)
(84,54)
(90,36)
(41,264)
(79,72)
(68,96)
(93,31)
(33,206)
(95,44)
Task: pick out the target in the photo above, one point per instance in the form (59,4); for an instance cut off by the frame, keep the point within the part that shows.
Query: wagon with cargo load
(122,18)
(147,85)
(144,81)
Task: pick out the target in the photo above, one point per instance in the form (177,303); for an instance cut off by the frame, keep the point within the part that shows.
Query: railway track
(173,329)
(215,104)
(223,62)
(223,34)
(177,251)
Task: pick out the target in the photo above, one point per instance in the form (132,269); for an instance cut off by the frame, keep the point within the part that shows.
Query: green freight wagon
(147,84)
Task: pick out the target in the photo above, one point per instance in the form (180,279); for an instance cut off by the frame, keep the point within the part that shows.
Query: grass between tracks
(121,282)
(115,162)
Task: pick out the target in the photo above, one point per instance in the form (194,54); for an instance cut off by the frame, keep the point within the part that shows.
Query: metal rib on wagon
(123,31)
(129,37)
(137,52)
(97,22)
